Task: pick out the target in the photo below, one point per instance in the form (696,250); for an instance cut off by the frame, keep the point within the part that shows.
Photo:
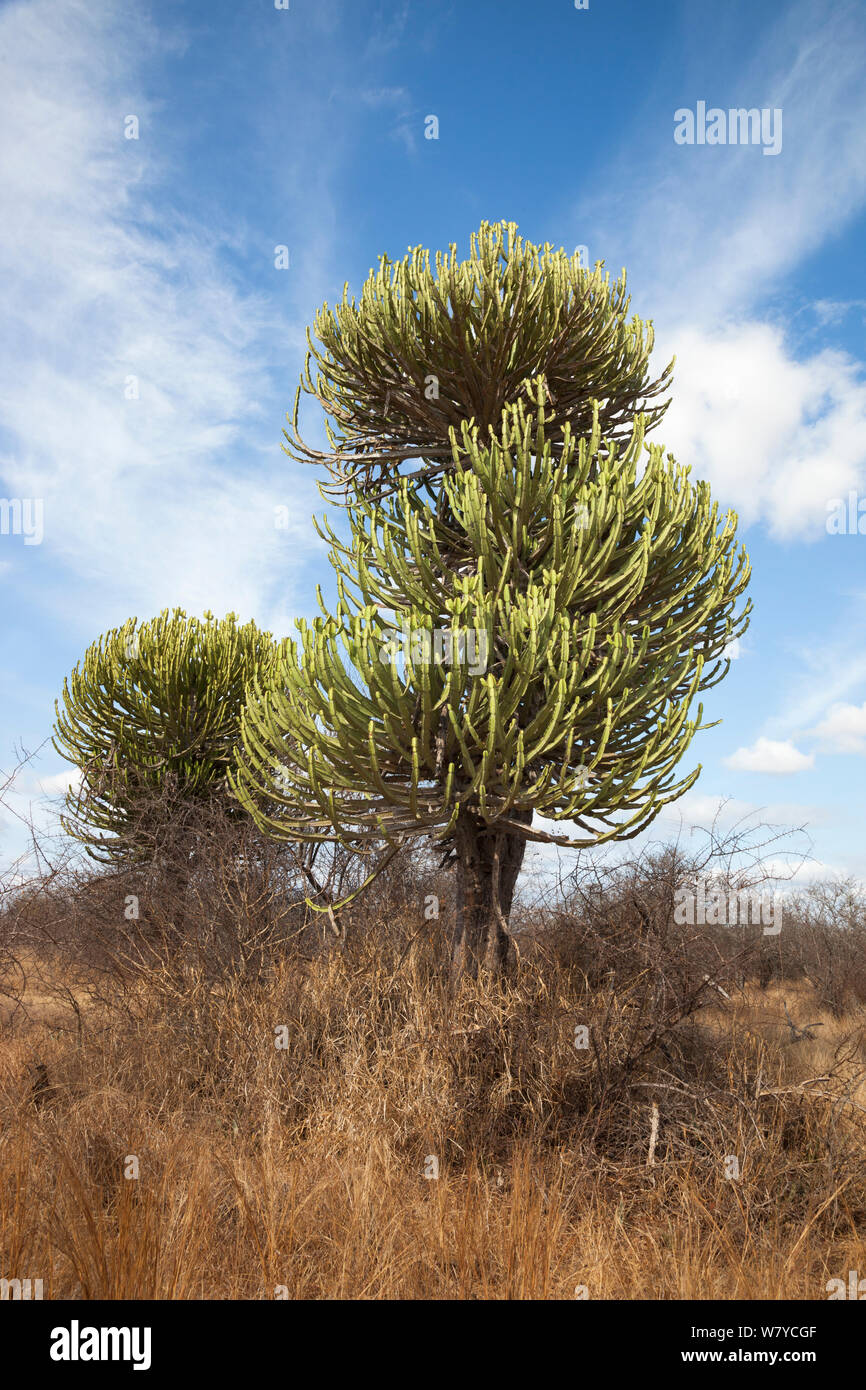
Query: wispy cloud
(384,96)
(720,228)
(832,311)
(134,362)
(829,671)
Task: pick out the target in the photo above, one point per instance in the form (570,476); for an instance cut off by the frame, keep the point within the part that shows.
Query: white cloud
(769,755)
(843,730)
(59,782)
(776,438)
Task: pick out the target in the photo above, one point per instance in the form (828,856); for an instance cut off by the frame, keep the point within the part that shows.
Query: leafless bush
(825,943)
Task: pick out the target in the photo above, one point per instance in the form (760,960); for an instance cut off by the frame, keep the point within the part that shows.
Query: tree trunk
(174,874)
(488,863)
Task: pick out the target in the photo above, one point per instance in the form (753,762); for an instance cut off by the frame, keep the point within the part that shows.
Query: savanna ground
(638,1110)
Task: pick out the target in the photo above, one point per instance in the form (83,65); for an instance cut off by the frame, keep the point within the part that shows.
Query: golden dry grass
(266,1172)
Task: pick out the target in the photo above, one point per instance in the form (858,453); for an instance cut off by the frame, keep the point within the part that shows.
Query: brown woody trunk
(174,874)
(488,863)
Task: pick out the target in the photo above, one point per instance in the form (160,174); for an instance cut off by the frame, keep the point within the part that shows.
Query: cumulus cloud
(776,438)
(770,755)
(843,730)
(58,783)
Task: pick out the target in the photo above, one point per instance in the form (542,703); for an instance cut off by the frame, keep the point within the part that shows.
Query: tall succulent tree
(150,716)
(601,589)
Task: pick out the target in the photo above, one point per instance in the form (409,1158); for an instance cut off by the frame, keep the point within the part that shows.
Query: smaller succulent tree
(150,717)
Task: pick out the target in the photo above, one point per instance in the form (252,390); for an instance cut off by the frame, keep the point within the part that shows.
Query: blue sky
(147,265)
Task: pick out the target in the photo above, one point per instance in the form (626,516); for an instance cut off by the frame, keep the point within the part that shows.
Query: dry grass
(300,1171)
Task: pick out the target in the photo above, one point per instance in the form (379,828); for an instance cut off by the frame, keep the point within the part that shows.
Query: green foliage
(150,716)
(603,587)
(426,350)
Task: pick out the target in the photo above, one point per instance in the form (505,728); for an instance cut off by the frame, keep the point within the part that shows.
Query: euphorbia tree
(595,590)
(151,716)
